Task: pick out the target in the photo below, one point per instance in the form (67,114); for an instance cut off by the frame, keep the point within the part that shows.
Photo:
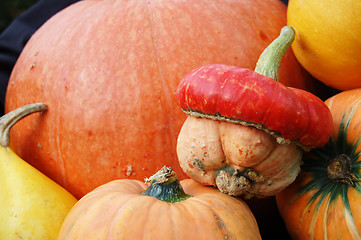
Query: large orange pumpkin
(108,71)
(324,201)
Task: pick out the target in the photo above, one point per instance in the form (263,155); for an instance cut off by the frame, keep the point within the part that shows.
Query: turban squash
(246,131)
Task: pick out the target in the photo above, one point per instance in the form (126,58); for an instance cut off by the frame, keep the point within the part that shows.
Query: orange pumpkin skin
(315,206)
(108,72)
(116,209)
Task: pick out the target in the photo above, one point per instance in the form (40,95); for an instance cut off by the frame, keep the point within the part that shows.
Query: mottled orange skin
(108,72)
(343,106)
(116,210)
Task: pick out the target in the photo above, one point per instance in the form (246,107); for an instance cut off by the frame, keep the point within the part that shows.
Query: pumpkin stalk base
(165,186)
(339,170)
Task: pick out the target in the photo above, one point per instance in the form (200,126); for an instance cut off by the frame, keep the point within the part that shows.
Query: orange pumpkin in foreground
(108,72)
(324,201)
(127,209)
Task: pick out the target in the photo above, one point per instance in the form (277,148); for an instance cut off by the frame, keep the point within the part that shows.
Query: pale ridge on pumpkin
(351,225)
(324,220)
(313,222)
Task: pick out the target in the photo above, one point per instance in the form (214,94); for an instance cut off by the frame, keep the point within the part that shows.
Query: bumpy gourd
(246,132)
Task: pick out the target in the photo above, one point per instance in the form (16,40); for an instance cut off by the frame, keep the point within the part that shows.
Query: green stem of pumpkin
(165,186)
(9,119)
(270,59)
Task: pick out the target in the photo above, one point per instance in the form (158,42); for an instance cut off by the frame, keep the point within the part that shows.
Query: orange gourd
(167,209)
(108,72)
(324,201)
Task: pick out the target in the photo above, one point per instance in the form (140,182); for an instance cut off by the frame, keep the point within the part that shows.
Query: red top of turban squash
(246,97)
(108,72)
(234,112)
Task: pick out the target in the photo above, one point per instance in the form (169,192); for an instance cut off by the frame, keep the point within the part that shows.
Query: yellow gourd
(328,42)
(32,205)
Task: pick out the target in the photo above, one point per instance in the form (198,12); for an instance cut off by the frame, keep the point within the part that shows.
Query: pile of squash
(192,119)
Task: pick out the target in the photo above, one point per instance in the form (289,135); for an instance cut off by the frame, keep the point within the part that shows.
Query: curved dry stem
(9,119)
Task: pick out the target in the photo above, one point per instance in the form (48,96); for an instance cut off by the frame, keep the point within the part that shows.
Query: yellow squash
(328,44)
(32,205)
